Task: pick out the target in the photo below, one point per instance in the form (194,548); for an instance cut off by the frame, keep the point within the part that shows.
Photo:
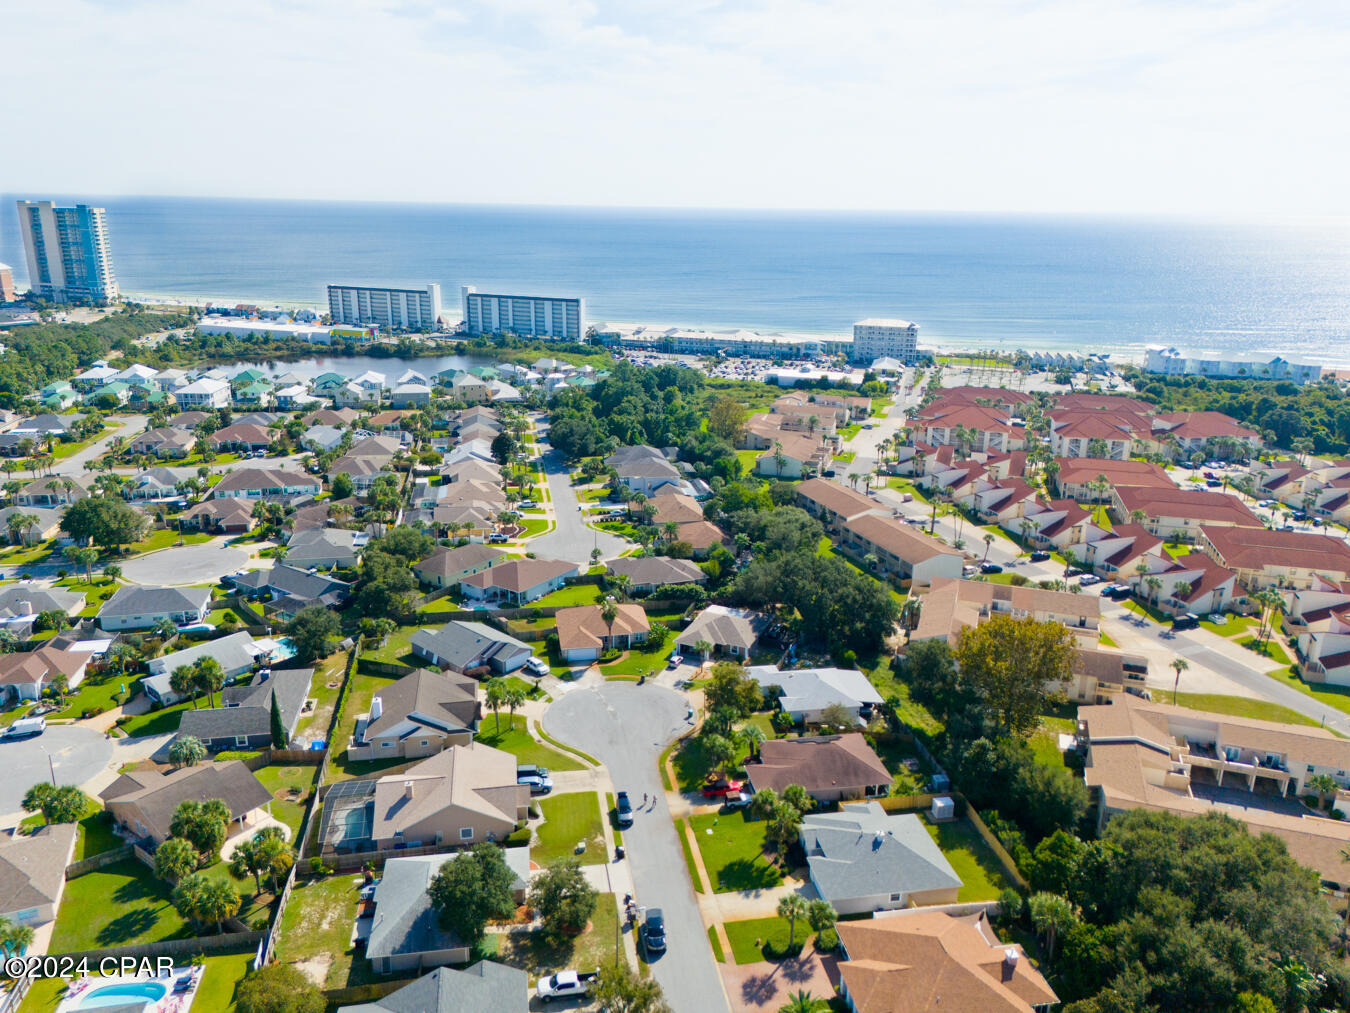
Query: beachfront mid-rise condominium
(536,316)
(876,338)
(397,309)
(67,249)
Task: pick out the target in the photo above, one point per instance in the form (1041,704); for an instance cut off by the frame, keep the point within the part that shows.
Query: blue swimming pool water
(117,995)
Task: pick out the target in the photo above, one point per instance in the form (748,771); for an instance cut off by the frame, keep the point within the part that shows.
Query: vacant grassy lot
(514,738)
(970,857)
(733,852)
(318,923)
(122,904)
(770,933)
(568,820)
(397,648)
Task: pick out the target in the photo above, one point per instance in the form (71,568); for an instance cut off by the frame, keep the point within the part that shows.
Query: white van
(25,728)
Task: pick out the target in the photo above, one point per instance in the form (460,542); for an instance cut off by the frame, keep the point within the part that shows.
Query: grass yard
(732,847)
(315,723)
(1045,747)
(1231,626)
(159,722)
(1147,611)
(716,945)
(970,857)
(28,555)
(215,994)
(397,648)
(573,594)
(1270,649)
(318,922)
(691,763)
(537,954)
(694,878)
(771,935)
(98,693)
(514,738)
(362,688)
(569,819)
(640,661)
(290,787)
(1106,640)
(748,458)
(1239,706)
(1337,697)
(122,904)
(535,526)
(95,593)
(164,538)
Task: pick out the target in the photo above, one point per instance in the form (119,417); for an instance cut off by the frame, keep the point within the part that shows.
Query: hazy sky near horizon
(1114,106)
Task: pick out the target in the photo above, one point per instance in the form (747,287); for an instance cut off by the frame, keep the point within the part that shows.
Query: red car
(719,789)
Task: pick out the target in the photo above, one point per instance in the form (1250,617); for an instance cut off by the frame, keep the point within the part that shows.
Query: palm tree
(1154,585)
(1179,665)
(1181,590)
(802,1001)
(86,557)
(1325,785)
(208,676)
(752,735)
(792,907)
(515,698)
(495,694)
(609,611)
(1052,916)
(704,648)
(988,541)
(15,937)
(217,902)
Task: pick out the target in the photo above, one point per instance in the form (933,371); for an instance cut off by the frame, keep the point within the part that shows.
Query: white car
(564,985)
(537,666)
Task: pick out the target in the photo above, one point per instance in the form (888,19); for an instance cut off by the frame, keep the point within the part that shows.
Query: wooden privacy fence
(76,869)
(232,941)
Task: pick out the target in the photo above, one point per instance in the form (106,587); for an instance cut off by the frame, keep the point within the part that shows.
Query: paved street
(571,539)
(129,426)
(77,753)
(626,726)
(188,564)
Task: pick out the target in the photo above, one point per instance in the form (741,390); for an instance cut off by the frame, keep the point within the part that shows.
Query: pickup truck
(565,985)
(721,787)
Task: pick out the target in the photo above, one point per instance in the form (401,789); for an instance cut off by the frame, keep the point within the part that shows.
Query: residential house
(447,567)
(257,394)
(244,718)
(416,716)
(323,548)
(1285,559)
(26,674)
(794,455)
(164,442)
(484,987)
(648,472)
(518,581)
(1096,434)
(51,491)
(142,801)
(804,694)
(231,516)
(973,427)
(863,859)
(24,598)
(832,768)
(339,418)
(140,608)
(154,484)
(288,589)
(266,483)
(648,573)
(730,631)
(242,436)
(33,873)
(293,397)
(189,419)
(46,524)
(459,797)
(900,552)
(237,654)
(1180,513)
(940,962)
(701,537)
(363,471)
(204,394)
(470,648)
(1142,754)
(583,634)
(324,438)
(410,395)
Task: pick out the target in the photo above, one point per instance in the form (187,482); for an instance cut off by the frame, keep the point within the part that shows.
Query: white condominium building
(1171,362)
(524,315)
(398,309)
(67,251)
(875,338)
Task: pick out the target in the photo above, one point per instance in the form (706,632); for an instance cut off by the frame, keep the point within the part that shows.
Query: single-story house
(23,676)
(447,567)
(484,987)
(405,930)
(139,608)
(244,718)
(583,634)
(231,516)
(831,768)
(51,491)
(647,573)
(518,581)
(804,694)
(266,483)
(863,859)
(288,589)
(470,648)
(166,441)
(730,631)
(242,436)
(237,654)
(418,715)
(33,873)
(143,801)
(46,524)
(322,548)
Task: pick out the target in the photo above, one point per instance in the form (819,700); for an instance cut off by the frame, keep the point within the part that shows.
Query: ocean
(969,281)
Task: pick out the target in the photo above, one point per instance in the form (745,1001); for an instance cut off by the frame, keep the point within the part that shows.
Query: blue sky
(1209,108)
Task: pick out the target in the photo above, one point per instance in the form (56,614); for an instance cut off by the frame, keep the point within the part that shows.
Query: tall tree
(471,889)
(278,727)
(1012,664)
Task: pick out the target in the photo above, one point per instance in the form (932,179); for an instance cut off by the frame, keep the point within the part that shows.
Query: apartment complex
(536,316)
(67,248)
(397,309)
(1172,362)
(876,338)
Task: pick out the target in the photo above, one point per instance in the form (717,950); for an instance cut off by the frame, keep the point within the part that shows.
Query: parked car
(623,809)
(527,504)
(1116,592)
(1039,557)
(535,777)
(1188,621)
(739,800)
(565,985)
(721,787)
(1089,579)
(676,660)
(537,666)
(653,931)
(990,568)
(497,538)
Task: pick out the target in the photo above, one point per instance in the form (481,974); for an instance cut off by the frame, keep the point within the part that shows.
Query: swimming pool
(118,995)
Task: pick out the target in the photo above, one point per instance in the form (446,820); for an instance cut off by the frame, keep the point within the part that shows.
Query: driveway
(129,426)
(78,754)
(626,726)
(571,540)
(189,564)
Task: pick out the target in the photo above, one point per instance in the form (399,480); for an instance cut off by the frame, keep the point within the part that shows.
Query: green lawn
(573,594)
(1045,746)
(215,994)
(690,864)
(1232,625)
(93,833)
(95,593)
(98,693)
(290,787)
(164,538)
(641,661)
(28,555)
(770,933)
(1147,611)
(122,904)
(159,722)
(318,921)
(1239,706)
(1106,640)
(538,954)
(716,945)
(732,847)
(691,763)
(748,459)
(970,857)
(1337,697)
(535,525)
(397,648)
(1270,649)
(569,819)
(512,735)
(359,694)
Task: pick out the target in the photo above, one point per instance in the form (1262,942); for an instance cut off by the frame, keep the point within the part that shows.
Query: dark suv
(624,809)
(1189,621)
(654,932)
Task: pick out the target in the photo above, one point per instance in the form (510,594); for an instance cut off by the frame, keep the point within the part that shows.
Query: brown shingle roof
(520,575)
(824,763)
(1214,507)
(584,627)
(836,498)
(897,539)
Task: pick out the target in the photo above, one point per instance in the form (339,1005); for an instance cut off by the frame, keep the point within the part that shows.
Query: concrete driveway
(626,726)
(571,539)
(77,753)
(189,564)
